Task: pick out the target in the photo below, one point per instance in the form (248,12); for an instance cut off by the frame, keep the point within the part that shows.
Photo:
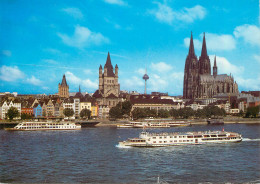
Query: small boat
(179,123)
(147,139)
(215,122)
(32,126)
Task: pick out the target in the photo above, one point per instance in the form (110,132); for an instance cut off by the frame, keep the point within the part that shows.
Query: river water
(91,155)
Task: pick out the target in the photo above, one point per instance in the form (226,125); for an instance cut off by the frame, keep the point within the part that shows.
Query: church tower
(204,62)
(108,81)
(215,68)
(190,82)
(64,88)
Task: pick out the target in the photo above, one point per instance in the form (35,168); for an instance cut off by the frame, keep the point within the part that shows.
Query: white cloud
(250,34)
(132,83)
(166,14)
(72,78)
(217,42)
(88,71)
(248,84)
(117,2)
(34,81)
(214,42)
(7,53)
(257,58)
(90,84)
(75,12)
(225,67)
(87,83)
(83,37)
(191,14)
(197,43)
(161,67)
(140,71)
(10,73)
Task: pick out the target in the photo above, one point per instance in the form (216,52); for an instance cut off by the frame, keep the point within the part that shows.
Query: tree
(174,113)
(26,116)
(85,113)
(162,113)
(115,112)
(12,113)
(68,112)
(252,112)
(138,113)
(126,108)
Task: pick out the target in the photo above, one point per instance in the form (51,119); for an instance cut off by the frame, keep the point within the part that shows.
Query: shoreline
(104,123)
(107,123)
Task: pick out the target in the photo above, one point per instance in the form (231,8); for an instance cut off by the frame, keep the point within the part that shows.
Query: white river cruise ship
(30,126)
(147,139)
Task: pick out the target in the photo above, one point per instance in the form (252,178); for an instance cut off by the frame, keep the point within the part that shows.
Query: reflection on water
(91,155)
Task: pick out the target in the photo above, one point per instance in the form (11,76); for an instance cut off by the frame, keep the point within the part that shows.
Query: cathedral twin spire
(204,62)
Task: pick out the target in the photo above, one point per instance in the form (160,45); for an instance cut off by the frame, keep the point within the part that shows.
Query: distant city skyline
(41,41)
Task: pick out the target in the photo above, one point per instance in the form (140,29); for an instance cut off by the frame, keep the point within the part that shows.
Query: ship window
(160,141)
(190,136)
(154,141)
(175,140)
(160,137)
(165,141)
(180,141)
(175,136)
(170,136)
(154,137)
(213,135)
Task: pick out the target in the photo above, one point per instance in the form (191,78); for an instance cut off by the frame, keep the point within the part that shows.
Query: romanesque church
(109,88)
(199,83)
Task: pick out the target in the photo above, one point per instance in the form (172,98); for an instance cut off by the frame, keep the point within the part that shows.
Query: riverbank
(227,120)
(192,121)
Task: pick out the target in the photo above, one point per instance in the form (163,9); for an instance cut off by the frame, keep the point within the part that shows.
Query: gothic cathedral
(198,82)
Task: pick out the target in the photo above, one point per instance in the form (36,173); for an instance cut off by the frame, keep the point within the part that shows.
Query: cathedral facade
(198,82)
(63,88)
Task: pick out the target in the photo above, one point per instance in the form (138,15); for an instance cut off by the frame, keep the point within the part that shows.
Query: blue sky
(42,40)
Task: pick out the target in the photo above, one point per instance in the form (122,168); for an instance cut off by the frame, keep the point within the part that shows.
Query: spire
(79,89)
(204,53)
(215,68)
(191,49)
(64,82)
(108,62)
(109,67)
(100,67)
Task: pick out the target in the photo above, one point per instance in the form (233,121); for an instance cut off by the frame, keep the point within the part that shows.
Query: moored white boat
(32,126)
(147,139)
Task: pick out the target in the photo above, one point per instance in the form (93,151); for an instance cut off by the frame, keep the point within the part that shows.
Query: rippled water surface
(90,155)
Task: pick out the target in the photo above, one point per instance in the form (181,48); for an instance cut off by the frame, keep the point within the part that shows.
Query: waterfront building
(49,108)
(147,101)
(63,88)
(6,104)
(37,110)
(199,83)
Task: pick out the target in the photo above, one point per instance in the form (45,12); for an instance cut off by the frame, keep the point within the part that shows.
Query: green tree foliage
(44,113)
(12,113)
(252,112)
(115,112)
(206,112)
(163,113)
(68,112)
(26,116)
(85,113)
(120,110)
